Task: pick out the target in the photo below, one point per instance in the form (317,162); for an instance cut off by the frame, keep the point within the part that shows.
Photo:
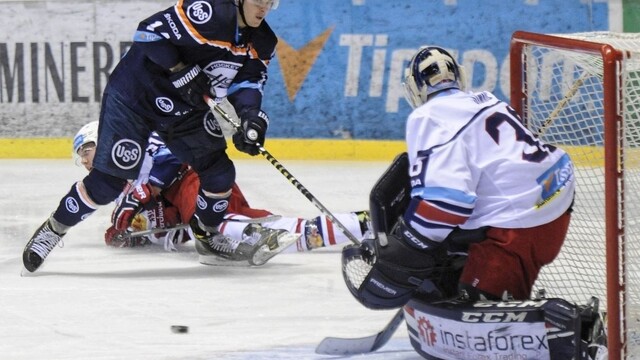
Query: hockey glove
(192,83)
(117,238)
(413,238)
(139,198)
(254,127)
(396,271)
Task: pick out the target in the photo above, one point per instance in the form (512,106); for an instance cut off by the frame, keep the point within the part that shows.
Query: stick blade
(341,346)
(363,345)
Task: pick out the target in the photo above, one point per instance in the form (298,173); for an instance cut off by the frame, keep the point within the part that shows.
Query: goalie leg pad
(530,329)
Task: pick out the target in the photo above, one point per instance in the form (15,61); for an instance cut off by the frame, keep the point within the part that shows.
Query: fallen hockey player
(464,221)
(157,206)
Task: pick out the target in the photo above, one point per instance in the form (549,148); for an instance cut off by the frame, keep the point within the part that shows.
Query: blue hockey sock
(74,207)
(211,208)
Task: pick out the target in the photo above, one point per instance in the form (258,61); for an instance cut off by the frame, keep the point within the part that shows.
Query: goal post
(581,91)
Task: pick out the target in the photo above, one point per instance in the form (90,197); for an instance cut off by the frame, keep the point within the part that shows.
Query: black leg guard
(533,329)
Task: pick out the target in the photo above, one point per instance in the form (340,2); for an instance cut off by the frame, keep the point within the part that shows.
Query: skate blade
(264,254)
(214,260)
(26,273)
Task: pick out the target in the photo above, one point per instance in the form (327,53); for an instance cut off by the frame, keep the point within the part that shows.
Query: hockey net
(582,92)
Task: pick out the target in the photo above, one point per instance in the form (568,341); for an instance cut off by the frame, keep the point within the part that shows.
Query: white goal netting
(569,95)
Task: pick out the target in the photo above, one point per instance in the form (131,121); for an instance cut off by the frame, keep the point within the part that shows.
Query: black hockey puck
(179,329)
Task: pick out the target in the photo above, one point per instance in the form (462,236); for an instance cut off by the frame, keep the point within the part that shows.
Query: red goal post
(581,91)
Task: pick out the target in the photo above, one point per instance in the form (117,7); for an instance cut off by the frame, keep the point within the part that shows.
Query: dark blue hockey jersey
(193,32)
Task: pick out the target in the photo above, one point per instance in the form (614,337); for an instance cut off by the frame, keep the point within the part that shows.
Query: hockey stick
(258,220)
(561,104)
(329,345)
(590,67)
(364,345)
(252,134)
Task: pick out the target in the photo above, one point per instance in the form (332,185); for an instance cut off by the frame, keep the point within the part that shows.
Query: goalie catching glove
(141,197)
(254,128)
(385,277)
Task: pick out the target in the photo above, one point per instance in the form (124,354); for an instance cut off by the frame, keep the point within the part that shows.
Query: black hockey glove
(396,270)
(254,124)
(192,83)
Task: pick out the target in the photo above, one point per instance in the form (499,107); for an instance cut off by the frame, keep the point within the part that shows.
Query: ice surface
(93,302)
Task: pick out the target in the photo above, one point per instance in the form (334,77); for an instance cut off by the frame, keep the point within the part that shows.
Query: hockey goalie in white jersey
(465,220)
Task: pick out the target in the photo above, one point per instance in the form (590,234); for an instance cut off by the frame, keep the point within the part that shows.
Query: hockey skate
(39,246)
(267,242)
(594,329)
(215,248)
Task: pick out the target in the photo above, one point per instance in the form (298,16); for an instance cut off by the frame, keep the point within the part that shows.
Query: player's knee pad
(219,175)
(532,329)
(385,277)
(103,188)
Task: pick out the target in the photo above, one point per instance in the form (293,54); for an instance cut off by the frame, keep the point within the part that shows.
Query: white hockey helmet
(431,69)
(87,134)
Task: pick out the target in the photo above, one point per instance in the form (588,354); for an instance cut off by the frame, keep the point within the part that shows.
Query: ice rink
(93,302)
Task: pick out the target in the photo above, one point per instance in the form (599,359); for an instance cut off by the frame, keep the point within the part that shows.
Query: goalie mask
(431,70)
(87,134)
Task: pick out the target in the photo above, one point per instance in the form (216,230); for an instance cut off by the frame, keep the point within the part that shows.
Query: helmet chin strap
(241,8)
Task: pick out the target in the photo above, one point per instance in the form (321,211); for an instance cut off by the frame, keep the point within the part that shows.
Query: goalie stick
(258,220)
(364,345)
(252,134)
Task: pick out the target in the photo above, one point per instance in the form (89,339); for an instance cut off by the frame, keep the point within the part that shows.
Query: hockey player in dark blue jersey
(217,47)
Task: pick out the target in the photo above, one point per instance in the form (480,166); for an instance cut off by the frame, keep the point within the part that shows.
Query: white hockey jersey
(473,164)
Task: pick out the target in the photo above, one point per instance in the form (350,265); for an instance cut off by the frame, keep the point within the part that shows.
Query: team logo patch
(211,125)
(72,205)
(126,154)
(220,206)
(202,204)
(222,74)
(164,104)
(199,12)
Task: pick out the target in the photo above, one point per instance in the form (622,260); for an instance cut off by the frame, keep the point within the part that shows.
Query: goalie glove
(385,277)
(141,197)
(413,238)
(254,128)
